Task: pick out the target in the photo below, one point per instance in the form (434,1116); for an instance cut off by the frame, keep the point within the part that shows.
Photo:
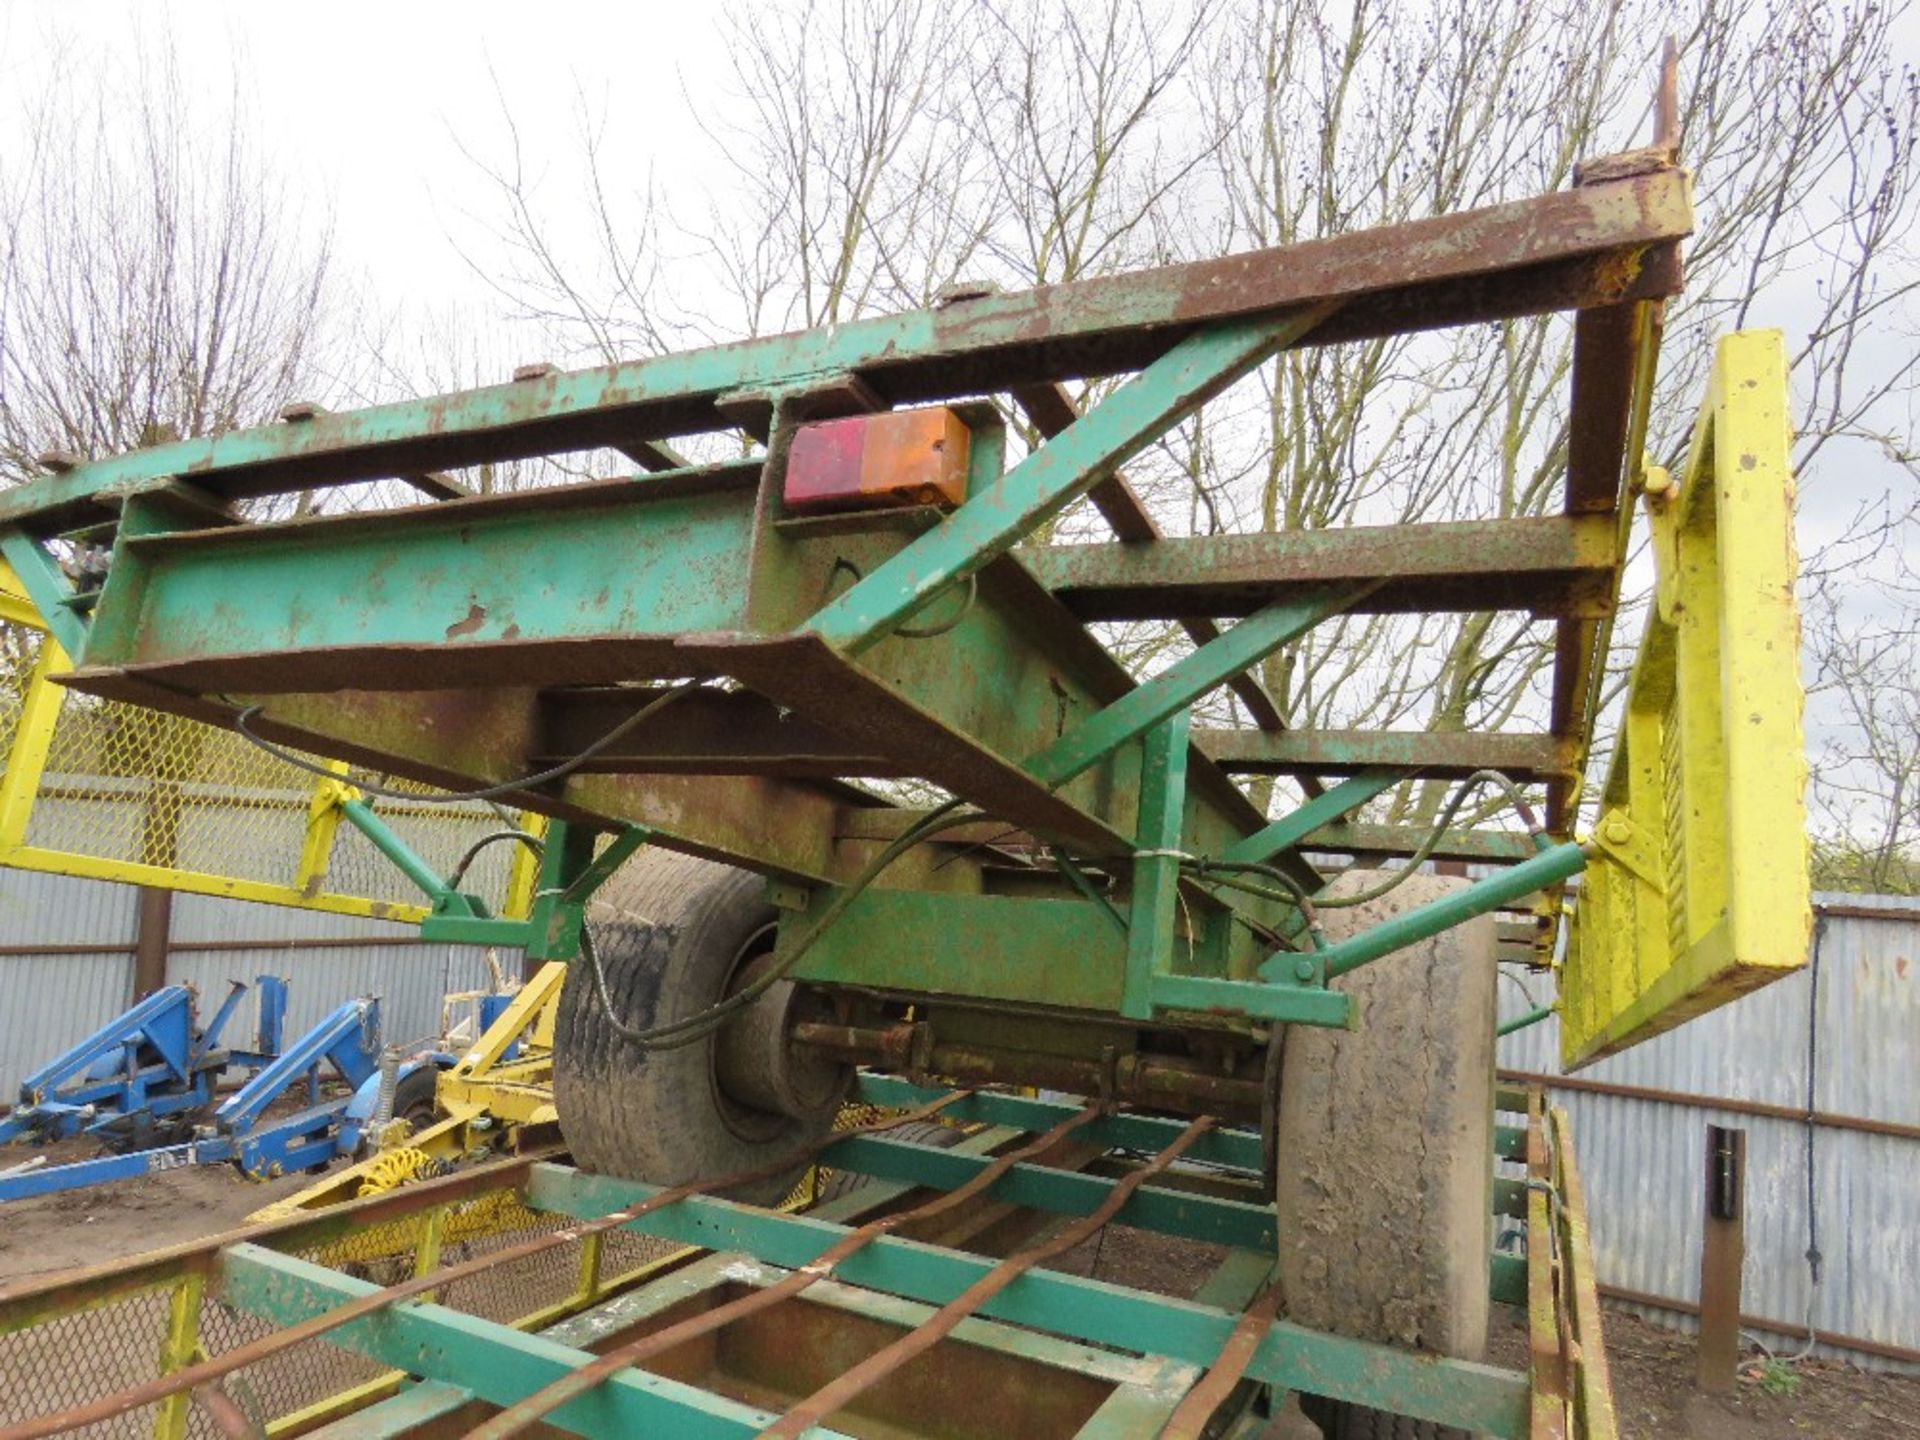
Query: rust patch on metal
(476,617)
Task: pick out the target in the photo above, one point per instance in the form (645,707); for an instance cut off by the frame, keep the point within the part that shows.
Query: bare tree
(157,278)
(1863,642)
(866,167)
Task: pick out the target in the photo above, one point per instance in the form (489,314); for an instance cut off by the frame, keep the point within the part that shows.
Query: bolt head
(1303,968)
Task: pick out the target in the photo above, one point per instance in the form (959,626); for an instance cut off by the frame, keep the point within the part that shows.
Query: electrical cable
(928,632)
(532,842)
(1508,975)
(692,1029)
(1432,842)
(912,632)
(1225,872)
(1814,1258)
(1304,903)
(507,787)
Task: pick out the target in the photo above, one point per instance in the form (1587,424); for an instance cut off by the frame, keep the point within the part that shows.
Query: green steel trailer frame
(477,639)
(698,661)
(731,1321)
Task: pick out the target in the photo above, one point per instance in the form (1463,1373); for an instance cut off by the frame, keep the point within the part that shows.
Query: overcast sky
(370,104)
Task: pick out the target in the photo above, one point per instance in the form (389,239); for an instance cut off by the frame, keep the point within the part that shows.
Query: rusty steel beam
(823,1402)
(1794,1330)
(520,1416)
(430,483)
(210,1369)
(1827,1119)
(1608,380)
(1598,244)
(1548,565)
(1433,753)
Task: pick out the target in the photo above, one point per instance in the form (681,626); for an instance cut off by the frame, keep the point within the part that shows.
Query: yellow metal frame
(483,1086)
(25,762)
(1700,892)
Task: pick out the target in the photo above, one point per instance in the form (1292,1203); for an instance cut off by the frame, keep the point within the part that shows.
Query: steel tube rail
(1549,867)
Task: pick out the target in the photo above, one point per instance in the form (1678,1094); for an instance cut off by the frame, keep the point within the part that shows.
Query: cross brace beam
(1550,565)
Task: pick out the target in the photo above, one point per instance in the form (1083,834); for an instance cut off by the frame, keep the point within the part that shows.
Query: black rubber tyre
(1340,1421)
(413,1097)
(672,932)
(930,1133)
(1385,1142)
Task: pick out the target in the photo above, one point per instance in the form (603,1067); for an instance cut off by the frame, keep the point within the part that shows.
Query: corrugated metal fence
(51,999)
(1846,1186)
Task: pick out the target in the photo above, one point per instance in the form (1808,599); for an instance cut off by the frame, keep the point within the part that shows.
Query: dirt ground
(1655,1399)
(91,1226)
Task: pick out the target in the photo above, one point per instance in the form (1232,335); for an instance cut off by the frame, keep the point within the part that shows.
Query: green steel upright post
(554,922)
(1156,869)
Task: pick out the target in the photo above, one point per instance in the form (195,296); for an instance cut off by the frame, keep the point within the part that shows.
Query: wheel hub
(758,1065)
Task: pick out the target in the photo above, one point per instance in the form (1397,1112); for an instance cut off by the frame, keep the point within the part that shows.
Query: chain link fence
(101,788)
(65,1348)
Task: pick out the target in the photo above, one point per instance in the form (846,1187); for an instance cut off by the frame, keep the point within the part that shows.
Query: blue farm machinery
(148,1086)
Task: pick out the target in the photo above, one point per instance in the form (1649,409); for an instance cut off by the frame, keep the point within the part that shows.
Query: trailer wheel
(1383,1194)
(675,935)
(930,1133)
(1338,1421)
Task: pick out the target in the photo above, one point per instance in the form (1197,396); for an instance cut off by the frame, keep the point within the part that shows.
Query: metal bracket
(1627,843)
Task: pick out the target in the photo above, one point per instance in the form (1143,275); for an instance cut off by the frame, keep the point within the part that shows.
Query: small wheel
(675,935)
(1385,1141)
(413,1097)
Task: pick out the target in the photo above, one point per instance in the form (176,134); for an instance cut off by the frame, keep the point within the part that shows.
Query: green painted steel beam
(1348,752)
(1237,1149)
(1054,476)
(978,946)
(1522,1022)
(1509,1285)
(1289,830)
(1546,564)
(1182,683)
(1510,1142)
(45,586)
(610,563)
(1154,907)
(1283,1001)
(1064,1192)
(1479,1398)
(1570,249)
(498,1364)
(383,838)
